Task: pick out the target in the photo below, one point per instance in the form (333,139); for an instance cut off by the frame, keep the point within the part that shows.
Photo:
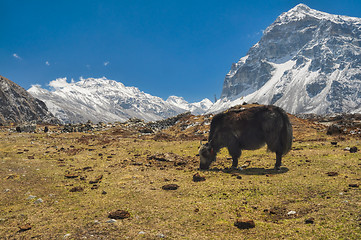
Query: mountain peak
(302,11)
(307,61)
(300,8)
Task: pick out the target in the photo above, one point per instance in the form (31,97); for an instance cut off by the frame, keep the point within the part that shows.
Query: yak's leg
(278,160)
(235,152)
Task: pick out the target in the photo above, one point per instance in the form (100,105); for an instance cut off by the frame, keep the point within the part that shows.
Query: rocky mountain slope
(18,106)
(307,61)
(104,100)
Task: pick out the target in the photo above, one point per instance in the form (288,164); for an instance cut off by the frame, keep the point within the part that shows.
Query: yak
(248,129)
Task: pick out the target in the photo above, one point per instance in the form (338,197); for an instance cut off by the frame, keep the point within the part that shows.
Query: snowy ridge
(302,11)
(104,100)
(307,61)
(197,108)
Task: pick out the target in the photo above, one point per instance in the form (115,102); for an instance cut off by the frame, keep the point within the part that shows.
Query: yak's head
(207,156)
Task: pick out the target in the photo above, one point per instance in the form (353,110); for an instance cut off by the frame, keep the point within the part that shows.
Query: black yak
(248,129)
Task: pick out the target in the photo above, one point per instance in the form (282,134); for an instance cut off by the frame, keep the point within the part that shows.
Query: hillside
(61,185)
(18,106)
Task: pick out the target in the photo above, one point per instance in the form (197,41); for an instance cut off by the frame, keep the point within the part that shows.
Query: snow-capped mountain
(104,100)
(197,108)
(18,106)
(307,61)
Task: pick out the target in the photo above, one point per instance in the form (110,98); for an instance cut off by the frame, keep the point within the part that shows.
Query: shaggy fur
(248,129)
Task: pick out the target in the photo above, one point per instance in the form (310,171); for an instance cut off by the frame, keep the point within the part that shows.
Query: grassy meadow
(64,186)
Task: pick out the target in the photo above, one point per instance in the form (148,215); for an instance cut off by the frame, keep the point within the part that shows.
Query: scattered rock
(198,178)
(137,164)
(119,214)
(163,157)
(80,127)
(67,235)
(332,174)
(111,221)
(353,149)
(146,130)
(244,223)
(160,235)
(291,213)
(76,189)
(26,128)
(97,180)
(333,129)
(270,211)
(12,176)
(246,164)
(310,220)
(104,192)
(170,187)
(334,143)
(39,200)
(71,175)
(31,197)
(24,228)
(354,185)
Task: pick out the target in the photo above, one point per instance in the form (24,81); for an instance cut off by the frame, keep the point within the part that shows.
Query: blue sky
(163,47)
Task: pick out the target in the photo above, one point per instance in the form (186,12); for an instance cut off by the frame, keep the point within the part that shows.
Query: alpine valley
(104,100)
(307,61)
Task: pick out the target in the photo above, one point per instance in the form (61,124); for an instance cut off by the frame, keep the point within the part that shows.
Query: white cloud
(47,63)
(59,83)
(106,63)
(15,55)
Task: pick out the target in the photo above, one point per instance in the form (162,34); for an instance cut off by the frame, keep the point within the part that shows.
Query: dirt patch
(24,227)
(332,174)
(170,187)
(71,175)
(119,214)
(310,220)
(244,223)
(76,189)
(96,180)
(163,137)
(198,178)
(278,213)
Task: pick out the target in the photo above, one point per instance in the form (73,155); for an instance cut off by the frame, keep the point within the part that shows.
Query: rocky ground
(138,180)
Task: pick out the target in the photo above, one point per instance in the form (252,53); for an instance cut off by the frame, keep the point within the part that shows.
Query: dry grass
(131,172)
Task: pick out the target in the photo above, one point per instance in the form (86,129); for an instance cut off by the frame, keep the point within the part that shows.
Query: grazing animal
(248,129)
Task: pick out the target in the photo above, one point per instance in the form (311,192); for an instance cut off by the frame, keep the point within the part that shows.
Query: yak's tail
(286,132)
